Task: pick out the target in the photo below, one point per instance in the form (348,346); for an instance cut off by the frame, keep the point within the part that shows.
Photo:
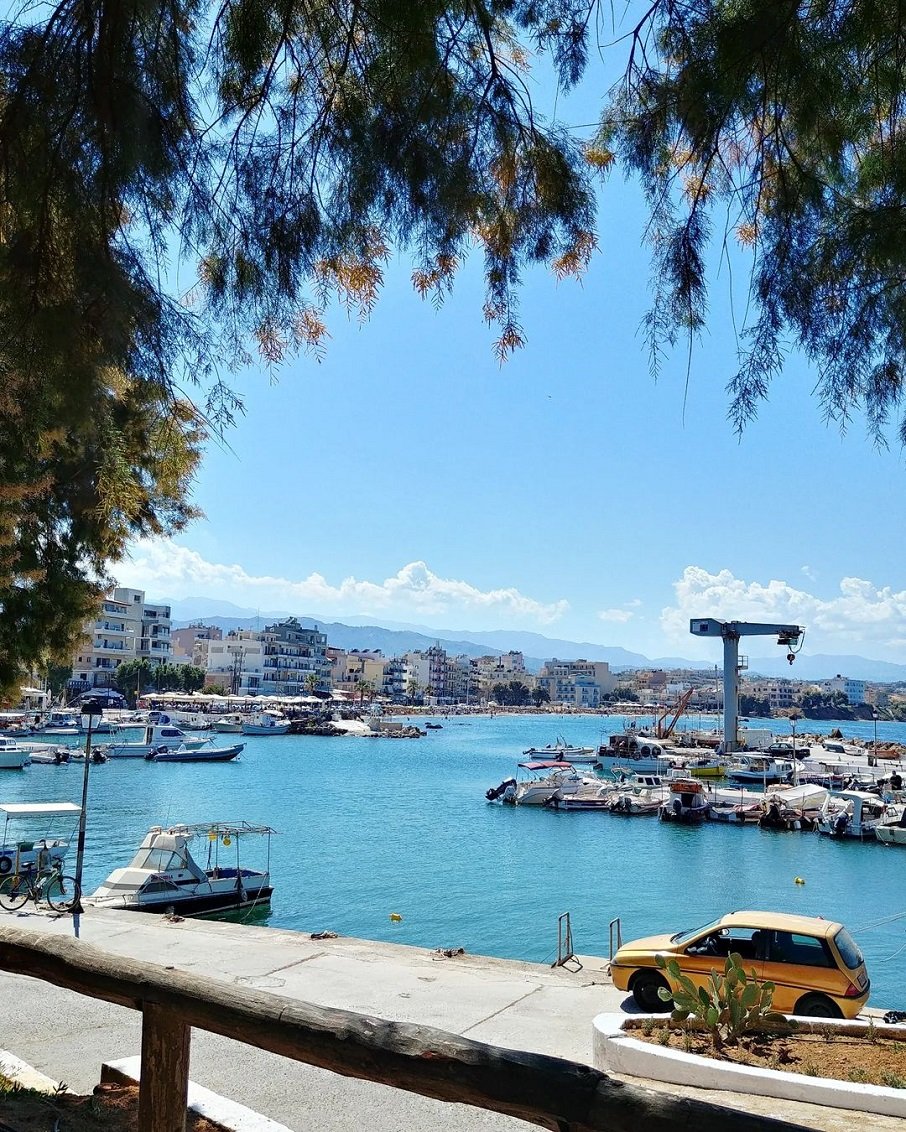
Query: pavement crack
(502,1010)
(296,962)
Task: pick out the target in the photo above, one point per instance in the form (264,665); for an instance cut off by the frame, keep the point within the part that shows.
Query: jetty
(518,1009)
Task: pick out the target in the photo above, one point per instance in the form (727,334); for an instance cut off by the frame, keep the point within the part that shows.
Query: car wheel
(644,989)
(817,1006)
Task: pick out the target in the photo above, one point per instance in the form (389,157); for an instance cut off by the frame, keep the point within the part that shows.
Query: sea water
(370,828)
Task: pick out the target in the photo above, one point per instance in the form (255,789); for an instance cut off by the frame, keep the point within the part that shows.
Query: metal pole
(80,851)
(731,689)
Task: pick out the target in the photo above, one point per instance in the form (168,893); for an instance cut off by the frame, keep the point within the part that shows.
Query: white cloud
(618,616)
(165,568)
(861,614)
(809,573)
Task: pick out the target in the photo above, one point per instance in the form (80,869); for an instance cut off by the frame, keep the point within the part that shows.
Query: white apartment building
(126,628)
(854,690)
(236,661)
(579,683)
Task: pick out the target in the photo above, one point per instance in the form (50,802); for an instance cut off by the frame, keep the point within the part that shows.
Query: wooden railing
(548,1091)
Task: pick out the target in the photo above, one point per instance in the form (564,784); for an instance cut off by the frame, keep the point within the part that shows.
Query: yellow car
(815,964)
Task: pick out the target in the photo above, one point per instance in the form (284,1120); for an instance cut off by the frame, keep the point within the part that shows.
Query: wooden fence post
(164,1087)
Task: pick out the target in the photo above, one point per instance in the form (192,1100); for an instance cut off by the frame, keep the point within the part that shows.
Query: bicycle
(60,892)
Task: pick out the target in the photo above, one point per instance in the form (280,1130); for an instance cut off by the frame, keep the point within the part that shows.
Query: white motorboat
(59,756)
(12,756)
(562,752)
(639,795)
(792,807)
(60,723)
(17,854)
(229,724)
(163,876)
(267,722)
(161,736)
(634,748)
(852,813)
(591,794)
(206,754)
(541,781)
(891,829)
(759,768)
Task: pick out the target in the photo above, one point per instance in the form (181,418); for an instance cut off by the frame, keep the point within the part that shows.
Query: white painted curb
(228,1114)
(615,1051)
(24,1074)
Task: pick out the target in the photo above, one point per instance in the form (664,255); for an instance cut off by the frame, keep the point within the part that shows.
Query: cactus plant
(730,1005)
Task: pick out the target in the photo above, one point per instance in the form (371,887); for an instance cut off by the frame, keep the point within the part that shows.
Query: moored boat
(229,724)
(563,752)
(267,722)
(542,780)
(853,813)
(163,875)
(12,756)
(687,802)
(639,795)
(206,754)
(161,736)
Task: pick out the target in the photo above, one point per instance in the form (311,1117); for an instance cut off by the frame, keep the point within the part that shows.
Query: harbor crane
(730,632)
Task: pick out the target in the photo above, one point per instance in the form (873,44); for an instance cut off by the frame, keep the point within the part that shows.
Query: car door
(799,964)
(709,952)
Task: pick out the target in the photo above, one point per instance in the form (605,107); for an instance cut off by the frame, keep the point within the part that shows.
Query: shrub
(730,1006)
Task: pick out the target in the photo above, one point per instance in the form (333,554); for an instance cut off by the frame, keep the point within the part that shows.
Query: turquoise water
(370,827)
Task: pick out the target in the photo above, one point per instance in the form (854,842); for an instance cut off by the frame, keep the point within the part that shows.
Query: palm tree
(312,682)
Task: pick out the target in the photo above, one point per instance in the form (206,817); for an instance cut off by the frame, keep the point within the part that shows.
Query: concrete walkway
(519,1005)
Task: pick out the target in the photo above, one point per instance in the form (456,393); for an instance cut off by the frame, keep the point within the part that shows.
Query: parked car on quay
(816,966)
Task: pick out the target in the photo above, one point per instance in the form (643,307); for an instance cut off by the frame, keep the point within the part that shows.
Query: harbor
(370,831)
(519,1006)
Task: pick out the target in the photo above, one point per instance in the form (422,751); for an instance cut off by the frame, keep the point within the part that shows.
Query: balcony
(106,627)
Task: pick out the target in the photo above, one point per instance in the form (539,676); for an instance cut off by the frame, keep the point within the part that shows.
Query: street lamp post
(91,708)
(874,749)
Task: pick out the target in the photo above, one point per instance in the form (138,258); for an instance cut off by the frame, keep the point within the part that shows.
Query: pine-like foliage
(781,124)
(178,180)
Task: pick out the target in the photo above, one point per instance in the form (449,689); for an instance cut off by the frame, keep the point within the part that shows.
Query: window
(850,951)
(790,947)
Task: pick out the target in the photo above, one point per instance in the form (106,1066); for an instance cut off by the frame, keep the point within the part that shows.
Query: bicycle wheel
(61,893)
(14,892)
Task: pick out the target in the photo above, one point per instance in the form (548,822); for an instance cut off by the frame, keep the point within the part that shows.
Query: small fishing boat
(792,807)
(12,756)
(639,795)
(59,757)
(891,829)
(687,802)
(267,722)
(206,754)
(229,724)
(159,736)
(563,752)
(591,794)
(17,854)
(852,813)
(163,876)
(759,768)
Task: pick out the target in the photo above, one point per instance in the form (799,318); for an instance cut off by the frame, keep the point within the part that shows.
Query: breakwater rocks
(321,727)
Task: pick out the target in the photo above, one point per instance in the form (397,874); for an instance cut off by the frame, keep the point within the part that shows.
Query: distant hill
(536,648)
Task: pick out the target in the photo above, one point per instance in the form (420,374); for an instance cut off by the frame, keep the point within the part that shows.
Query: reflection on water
(373,827)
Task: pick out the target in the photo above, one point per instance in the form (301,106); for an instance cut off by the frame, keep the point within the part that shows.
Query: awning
(38,809)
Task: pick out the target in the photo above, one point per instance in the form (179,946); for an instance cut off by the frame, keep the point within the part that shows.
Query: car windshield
(682,937)
(850,951)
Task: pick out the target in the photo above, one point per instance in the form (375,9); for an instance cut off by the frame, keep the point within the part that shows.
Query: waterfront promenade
(519,1005)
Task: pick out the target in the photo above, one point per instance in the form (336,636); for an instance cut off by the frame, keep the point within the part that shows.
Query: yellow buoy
(212,835)
(396,917)
(226,840)
(799,880)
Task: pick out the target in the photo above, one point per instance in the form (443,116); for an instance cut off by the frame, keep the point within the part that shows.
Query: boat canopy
(222,828)
(38,809)
(547,766)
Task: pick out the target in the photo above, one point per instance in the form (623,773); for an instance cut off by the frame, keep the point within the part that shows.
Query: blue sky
(408,477)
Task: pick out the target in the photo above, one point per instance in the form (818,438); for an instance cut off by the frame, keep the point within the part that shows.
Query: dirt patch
(111,1108)
(866,1059)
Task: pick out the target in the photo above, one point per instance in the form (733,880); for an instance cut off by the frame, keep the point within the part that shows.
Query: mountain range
(394,638)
